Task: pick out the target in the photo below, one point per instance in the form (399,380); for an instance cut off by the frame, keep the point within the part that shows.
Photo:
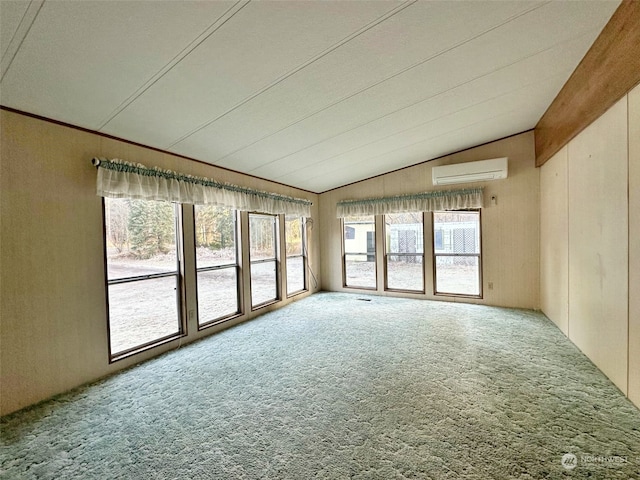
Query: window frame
(386,255)
(238,271)
(303,255)
(477,255)
(276,260)
(344,256)
(180,288)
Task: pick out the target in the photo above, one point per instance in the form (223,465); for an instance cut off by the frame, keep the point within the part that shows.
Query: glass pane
(295,274)
(294,241)
(359,271)
(215,231)
(458,275)
(217,294)
(263,282)
(140,237)
(142,311)
(262,231)
(456,232)
(293,235)
(360,236)
(360,251)
(404,233)
(405,272)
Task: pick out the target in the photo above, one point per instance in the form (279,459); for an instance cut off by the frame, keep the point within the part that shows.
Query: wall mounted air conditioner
(480,171)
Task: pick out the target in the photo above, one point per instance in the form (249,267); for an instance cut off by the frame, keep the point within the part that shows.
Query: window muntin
(457,253)
(143,274)
(263,259)
(404,251)
(359,246)
(217,268)
(296,254)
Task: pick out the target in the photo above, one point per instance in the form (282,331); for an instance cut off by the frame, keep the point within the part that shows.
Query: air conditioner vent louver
(483,170)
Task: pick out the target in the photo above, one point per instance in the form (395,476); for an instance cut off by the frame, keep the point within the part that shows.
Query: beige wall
(554,240)
(598,242)
(510,238)
(52,305)
(634,245)
(600,249)
(52,282)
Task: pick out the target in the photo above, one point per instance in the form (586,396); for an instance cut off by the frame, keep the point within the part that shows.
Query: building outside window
(359,246)
(404,251)
(457,253)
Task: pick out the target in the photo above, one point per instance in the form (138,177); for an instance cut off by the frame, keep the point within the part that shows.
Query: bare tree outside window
(296,257)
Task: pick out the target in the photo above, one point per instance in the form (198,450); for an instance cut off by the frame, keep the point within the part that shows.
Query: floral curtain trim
(120,179)
(420,202)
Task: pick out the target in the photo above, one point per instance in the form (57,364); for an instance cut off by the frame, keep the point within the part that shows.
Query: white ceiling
(313,94)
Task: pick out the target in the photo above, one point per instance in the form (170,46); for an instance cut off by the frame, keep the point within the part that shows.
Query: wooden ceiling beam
(608,71)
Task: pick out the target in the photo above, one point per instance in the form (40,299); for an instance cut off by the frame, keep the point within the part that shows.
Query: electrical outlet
(490,285)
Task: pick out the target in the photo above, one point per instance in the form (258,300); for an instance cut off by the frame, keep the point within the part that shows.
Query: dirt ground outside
(145,310)
(458,279)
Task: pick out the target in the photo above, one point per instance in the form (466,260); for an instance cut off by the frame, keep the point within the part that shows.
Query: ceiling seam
(510,112)
(467,107)
(15,32)
(399,73)
(210,30)
(30,15)
(443,92)
(137,144)
(299,68)
(422,162)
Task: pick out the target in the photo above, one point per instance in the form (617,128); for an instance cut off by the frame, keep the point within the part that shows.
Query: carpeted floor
(337,387)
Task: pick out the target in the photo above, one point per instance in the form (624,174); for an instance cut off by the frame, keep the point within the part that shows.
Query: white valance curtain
(120,179)
(420,202)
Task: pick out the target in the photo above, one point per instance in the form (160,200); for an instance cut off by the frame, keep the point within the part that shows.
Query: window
(143,274)
(263,256)
(404,251)
(217,269)
(359,246)
(457,259)
(296,258)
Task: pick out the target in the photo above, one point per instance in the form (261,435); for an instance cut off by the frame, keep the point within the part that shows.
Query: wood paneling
(608,71)
(554,240)
(634,245)
(598,246)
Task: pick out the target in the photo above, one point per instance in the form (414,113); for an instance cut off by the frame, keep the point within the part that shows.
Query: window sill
(143,348)
(218,321)
(265,304)
(296,293)
(458,295)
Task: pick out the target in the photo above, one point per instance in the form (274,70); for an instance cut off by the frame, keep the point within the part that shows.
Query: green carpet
(335,387)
